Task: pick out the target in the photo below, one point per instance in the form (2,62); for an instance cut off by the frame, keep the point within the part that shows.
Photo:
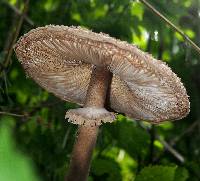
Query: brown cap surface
(60,59)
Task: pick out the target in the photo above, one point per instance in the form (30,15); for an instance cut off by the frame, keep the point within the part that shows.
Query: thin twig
(18,28)
(19,13)
(170,149)
(28,114)
(151,145)
(66,137)
(10,34)
(11,114)
(188,130)
(196,47)
(149,43)
(166,145)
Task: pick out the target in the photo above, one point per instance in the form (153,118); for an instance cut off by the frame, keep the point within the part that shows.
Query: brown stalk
(87,135)
(82,153)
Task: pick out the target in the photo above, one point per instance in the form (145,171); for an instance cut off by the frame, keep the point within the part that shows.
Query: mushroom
(95,70)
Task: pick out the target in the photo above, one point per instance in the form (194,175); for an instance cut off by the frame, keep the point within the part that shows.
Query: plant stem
(82,153)
(151,148)
(197,48)
(15,35)
(170,149)
(18,13)
(11,114)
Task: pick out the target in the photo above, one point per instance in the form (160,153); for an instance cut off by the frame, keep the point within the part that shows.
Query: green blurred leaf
(181,174)
(137,10)
(107,168)
(130,137)
(156,173)
(13,165)
(162,173)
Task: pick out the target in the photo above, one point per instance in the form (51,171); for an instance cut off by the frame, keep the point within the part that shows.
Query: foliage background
(36,141)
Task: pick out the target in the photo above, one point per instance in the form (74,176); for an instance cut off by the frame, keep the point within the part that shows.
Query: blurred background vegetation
(36,141)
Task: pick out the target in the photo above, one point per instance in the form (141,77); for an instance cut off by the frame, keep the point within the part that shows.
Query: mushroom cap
(60,59)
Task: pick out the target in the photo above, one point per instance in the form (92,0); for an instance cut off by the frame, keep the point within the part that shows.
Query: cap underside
(60,59)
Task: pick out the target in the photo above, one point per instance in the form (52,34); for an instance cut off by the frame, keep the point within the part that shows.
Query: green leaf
(13,165)
(157,173)
(137,10)
(181,174)
(107,168)
(130,137)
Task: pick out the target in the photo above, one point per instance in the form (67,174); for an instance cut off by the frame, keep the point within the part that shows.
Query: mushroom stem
(96,93)
(82,153)
(87,135)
